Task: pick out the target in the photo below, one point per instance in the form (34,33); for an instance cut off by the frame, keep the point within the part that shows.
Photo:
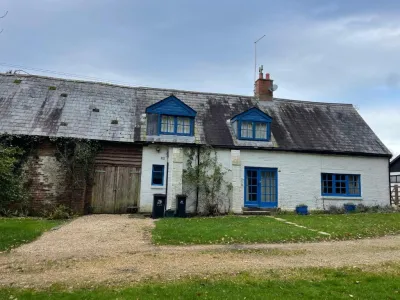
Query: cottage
(275,153)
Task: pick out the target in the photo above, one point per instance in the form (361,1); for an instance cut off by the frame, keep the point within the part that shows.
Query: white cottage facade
(276,153)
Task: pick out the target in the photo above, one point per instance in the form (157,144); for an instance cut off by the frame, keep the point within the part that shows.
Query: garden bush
(13,197)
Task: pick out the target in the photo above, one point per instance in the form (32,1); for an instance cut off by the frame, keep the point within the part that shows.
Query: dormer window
(170,117)
(252,124)
(176,125)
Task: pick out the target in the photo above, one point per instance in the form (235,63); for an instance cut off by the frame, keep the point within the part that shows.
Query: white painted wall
(299,177)
(172,159)
(151,156)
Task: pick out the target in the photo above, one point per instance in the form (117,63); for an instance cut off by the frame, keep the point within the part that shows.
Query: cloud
(337,51)
(385,121)
(319,57)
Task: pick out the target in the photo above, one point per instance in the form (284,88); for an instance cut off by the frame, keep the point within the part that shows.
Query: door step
(259,211)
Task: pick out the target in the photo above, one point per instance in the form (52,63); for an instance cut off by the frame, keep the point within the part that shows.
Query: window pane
(261,131)
(327,184)
(157,175)
(247,130)
(354,185)
(158,168)
(183,125)
(340,184)
(167,124)
(251,185)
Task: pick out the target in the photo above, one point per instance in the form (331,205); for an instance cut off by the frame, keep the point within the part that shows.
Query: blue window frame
(252,124)
(257,131)
(345,185)
(261,187)
(157,177)
(176,125)
(174,116)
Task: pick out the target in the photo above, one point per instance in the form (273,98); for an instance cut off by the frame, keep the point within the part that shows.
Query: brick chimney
(263,87)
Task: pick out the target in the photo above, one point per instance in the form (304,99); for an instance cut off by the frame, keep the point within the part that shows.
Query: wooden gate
(116,183)
(115,189)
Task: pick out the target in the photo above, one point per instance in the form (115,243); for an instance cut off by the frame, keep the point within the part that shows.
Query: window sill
(158,187)
(341,198)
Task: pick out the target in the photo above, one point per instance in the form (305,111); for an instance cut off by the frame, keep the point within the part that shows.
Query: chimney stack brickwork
(263,87)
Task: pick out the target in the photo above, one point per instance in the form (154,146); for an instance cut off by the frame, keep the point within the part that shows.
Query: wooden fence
(395,195)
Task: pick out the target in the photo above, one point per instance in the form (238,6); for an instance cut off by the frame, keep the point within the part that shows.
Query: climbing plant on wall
(77,156)
(204,177)
(13,195)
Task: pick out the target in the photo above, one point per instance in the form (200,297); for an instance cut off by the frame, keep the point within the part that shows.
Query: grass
(351,226)
(17,231)
(261,229)
(300,284)
(227,230)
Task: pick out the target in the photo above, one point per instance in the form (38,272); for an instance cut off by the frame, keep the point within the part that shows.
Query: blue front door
(261,187)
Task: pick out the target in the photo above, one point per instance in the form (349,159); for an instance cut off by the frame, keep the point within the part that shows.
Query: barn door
(115,188)
(127,188)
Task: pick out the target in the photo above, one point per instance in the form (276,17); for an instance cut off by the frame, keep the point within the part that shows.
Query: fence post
(396,194)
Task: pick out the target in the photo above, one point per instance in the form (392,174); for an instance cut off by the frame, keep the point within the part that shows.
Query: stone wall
(49,184)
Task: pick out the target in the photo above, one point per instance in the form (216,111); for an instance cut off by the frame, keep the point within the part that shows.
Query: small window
(261,131)
(167,124)
(183,125)
(157,177)
(247,130)
(176,125)
(395,179)
(254,131)
(340,185)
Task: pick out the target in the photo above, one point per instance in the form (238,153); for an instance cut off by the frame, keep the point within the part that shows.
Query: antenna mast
(255,57)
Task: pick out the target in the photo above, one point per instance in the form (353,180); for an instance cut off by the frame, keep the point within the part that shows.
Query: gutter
(197,185)
(166,180)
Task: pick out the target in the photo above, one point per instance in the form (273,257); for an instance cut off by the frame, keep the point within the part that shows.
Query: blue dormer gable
(252,124)
(253,114)
(171,106)
(170,117)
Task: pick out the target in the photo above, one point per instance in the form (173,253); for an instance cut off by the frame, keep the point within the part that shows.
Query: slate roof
(395,164)
(33,107)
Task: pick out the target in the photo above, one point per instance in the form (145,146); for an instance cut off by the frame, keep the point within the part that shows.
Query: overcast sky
(331,51)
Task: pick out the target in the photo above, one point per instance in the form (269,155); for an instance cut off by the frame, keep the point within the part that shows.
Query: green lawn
(304,284)
(350,226)
(17,231)
(262,229)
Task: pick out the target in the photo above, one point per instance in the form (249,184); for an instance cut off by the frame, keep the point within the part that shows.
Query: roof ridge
(311,102)
(121,85)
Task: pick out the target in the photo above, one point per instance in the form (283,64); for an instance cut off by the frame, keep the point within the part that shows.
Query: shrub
(361,208)
(60,212)
(335,210)
(13,197)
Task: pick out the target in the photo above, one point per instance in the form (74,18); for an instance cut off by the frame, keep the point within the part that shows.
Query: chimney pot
(263,87)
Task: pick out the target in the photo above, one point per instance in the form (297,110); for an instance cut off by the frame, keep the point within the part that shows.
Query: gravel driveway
(115,249)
